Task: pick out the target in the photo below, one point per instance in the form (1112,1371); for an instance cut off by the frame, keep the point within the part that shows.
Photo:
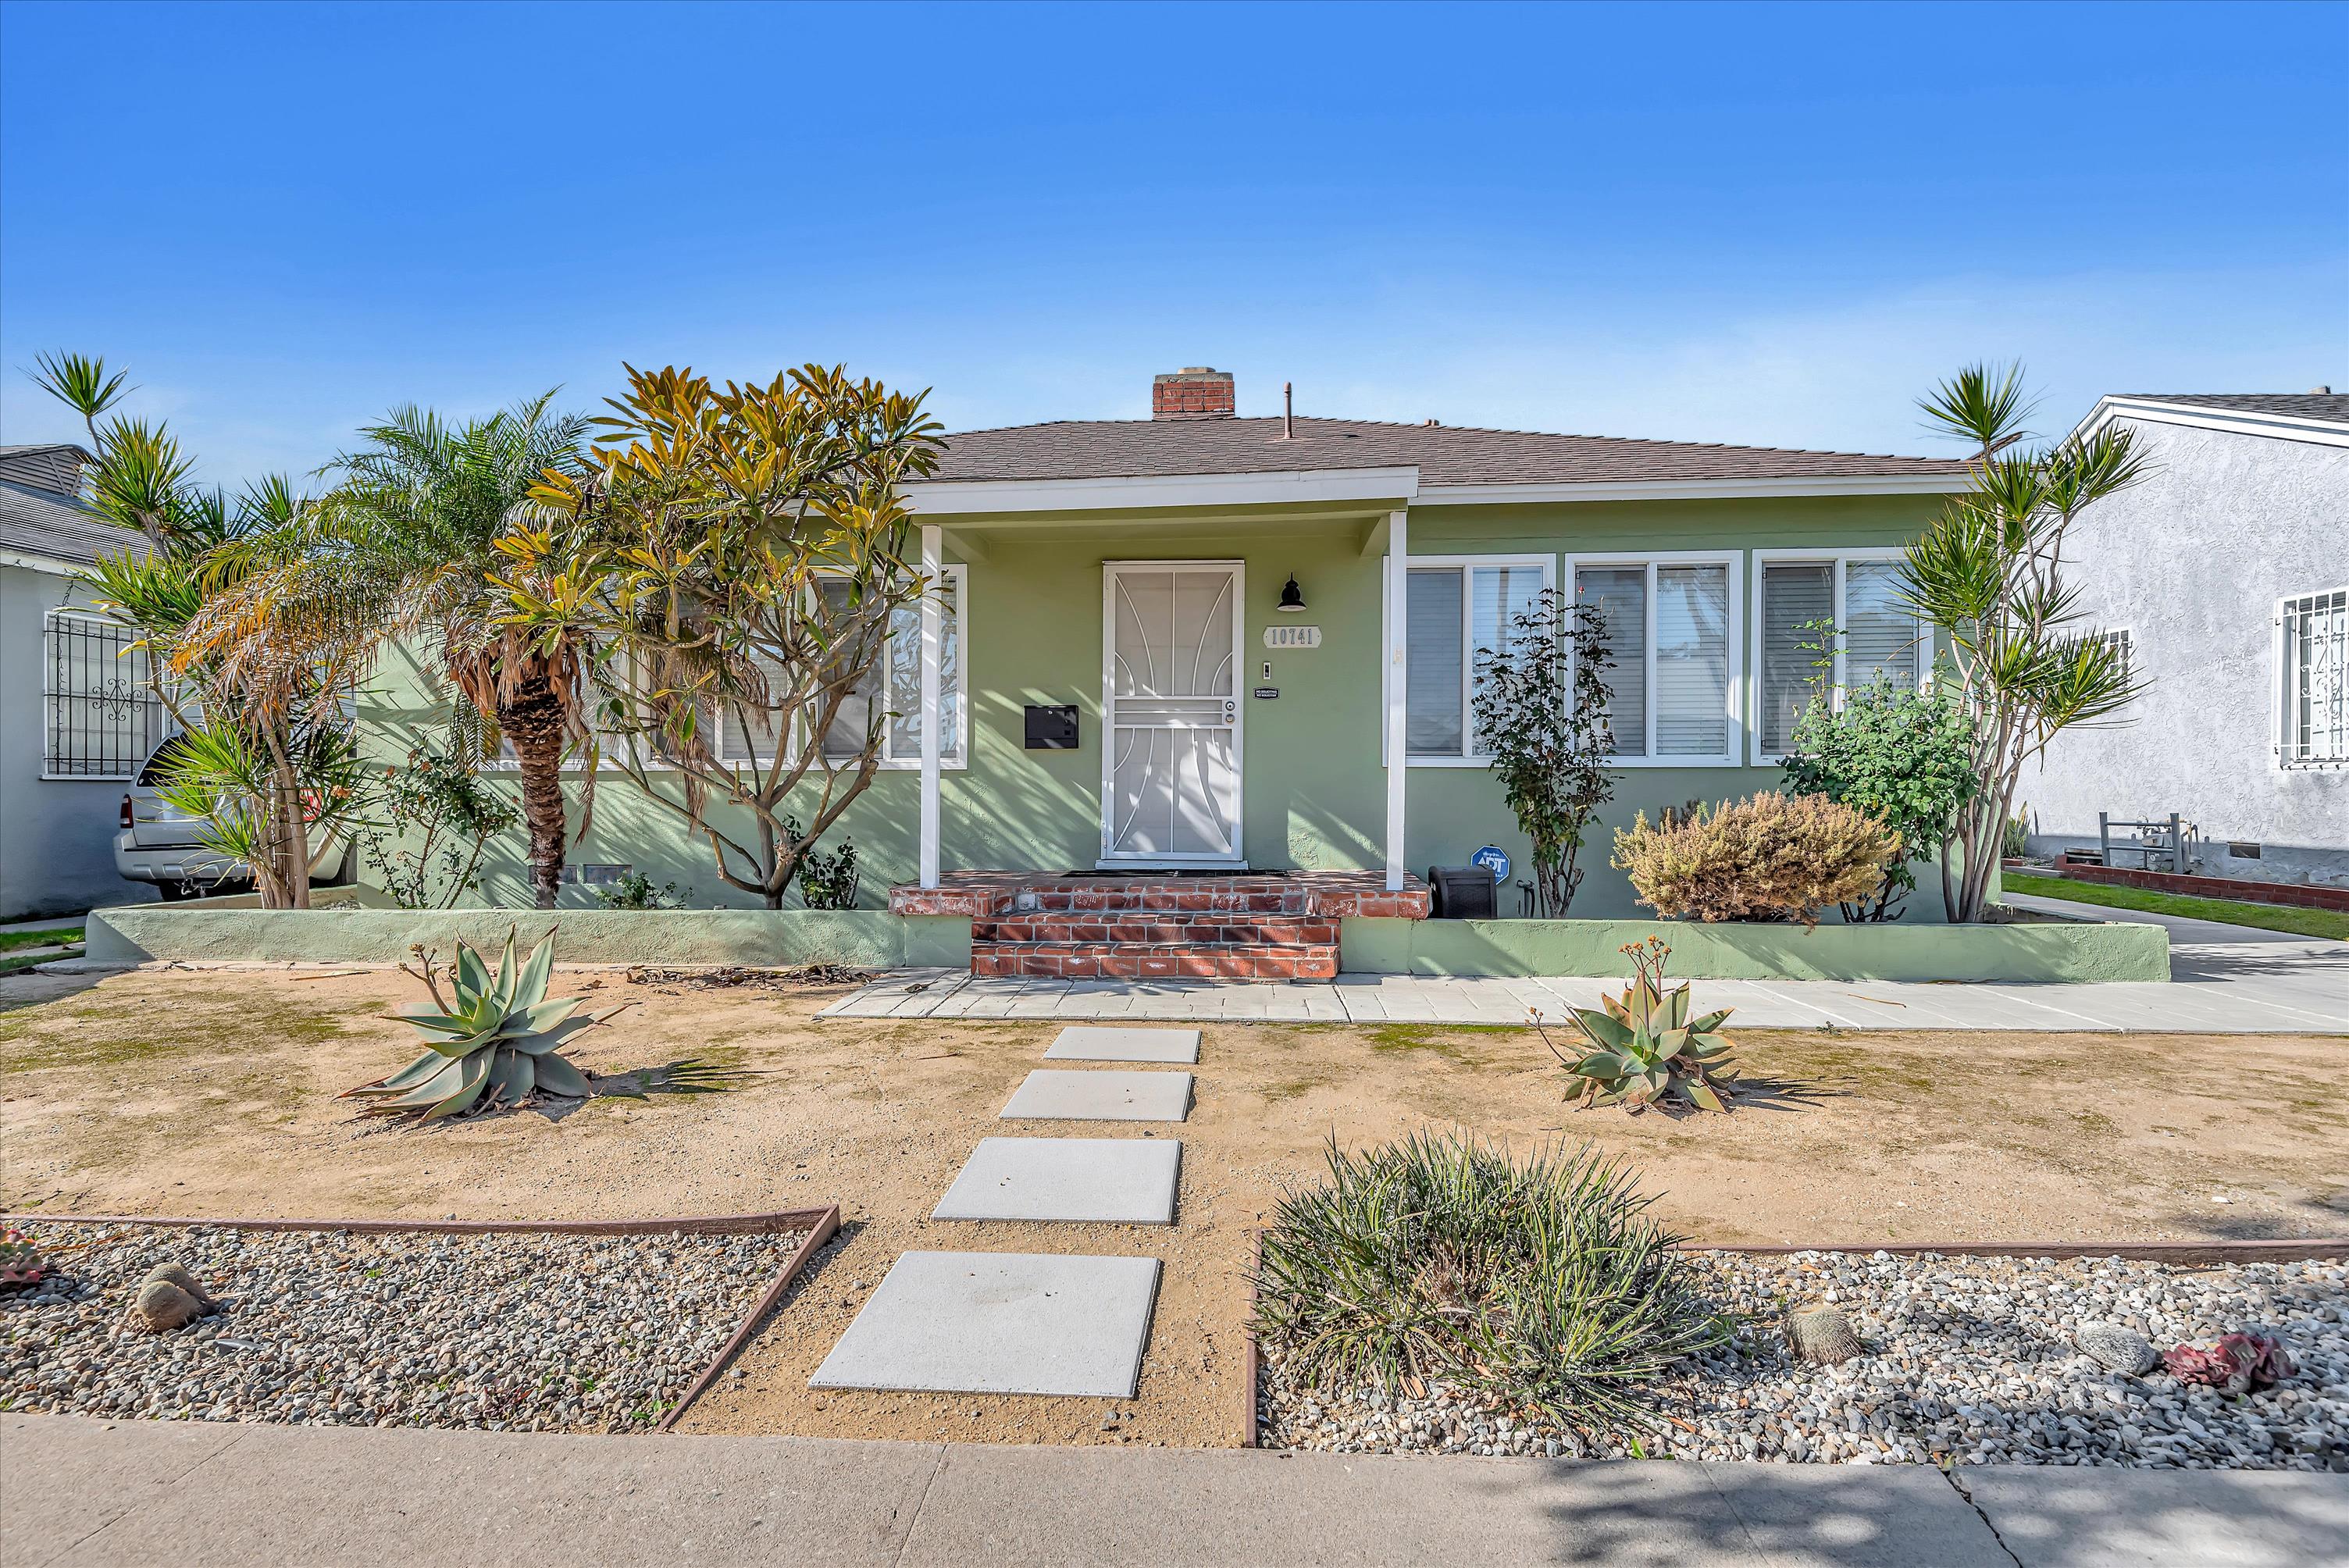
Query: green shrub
(1444,1257)
(1902,755)
(1768,858)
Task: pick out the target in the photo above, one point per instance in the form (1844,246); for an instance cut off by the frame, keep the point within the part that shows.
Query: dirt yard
(210,1092)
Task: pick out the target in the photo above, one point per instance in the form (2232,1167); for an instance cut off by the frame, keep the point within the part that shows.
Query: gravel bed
(517,1332)
(1969,1361)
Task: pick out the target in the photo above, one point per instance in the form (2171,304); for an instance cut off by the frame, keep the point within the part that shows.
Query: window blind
(1619,595)
(1498,595)
(1792,596)
(1880,634)
(1431,691)
(1692,661)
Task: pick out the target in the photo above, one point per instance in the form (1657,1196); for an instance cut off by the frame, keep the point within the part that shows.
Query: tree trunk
(533,722)
(289,841)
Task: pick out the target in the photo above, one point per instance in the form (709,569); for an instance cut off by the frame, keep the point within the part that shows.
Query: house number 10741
(1292,636)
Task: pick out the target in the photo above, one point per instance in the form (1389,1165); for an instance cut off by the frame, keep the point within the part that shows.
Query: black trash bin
(1463,893)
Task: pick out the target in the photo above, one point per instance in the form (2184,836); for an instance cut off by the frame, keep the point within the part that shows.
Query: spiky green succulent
(20,1260)
(1645,1048)
(494,1044)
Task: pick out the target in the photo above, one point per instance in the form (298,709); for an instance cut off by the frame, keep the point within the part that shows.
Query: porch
(1250,926)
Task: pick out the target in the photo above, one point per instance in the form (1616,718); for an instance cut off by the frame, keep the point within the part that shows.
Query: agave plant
(1644,1048)
(494,1044)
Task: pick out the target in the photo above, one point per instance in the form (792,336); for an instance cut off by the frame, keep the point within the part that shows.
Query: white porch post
(933,649)
(1398,673)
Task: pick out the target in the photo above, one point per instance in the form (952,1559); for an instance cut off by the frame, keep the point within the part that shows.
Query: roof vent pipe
(1288,413)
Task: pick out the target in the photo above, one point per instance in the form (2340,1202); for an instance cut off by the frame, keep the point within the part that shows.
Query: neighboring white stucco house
(2228,570)
(75,717)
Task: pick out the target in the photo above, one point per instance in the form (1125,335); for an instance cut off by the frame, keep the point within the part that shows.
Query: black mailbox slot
(1052,726)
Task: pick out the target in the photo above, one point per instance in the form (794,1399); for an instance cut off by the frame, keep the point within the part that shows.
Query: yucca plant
(1644,1046)
(494,1044)
(1542,1280)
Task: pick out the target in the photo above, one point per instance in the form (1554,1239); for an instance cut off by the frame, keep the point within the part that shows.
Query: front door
(1170,686)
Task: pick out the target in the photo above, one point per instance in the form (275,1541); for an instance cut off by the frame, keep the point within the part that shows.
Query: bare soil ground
(210,1092)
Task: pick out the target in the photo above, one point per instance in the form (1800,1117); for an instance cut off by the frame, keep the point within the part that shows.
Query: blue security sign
(1495,859)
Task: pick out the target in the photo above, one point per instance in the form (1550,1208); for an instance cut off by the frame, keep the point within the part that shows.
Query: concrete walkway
(75,1490)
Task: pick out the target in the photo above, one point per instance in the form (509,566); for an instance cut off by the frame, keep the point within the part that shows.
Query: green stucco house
(1197,642)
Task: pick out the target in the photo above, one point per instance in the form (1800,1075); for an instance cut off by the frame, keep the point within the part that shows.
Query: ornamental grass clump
(1768,858)
(1442,1257)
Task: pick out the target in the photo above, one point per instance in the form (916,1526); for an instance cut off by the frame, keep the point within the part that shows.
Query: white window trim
(1841,559)
(1547,564)
(1734,559)
(2281,692)
(48,662)
(955,762)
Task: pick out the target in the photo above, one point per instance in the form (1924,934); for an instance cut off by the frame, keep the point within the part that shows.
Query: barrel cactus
(1643,1049)
(494,1044)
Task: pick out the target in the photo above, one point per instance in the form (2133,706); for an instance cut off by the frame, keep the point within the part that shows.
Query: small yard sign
(1495,859)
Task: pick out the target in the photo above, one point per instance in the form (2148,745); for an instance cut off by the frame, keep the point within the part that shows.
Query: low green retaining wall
(2071,953)
(194,932)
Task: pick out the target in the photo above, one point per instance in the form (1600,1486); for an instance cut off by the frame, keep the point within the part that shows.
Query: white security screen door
(1170,684)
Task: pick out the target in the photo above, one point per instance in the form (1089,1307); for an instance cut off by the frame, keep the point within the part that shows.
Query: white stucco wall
(2192,562)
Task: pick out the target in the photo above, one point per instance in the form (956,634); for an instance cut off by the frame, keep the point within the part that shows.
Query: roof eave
(2202,416)
(1694,489)
(954,498)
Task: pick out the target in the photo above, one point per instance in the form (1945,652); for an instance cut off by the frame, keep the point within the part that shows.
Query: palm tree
(419,513)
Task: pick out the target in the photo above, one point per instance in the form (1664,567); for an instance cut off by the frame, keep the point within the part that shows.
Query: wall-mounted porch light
(1292,597)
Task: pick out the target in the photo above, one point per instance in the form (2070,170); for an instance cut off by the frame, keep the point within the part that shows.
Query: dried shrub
(1768,858)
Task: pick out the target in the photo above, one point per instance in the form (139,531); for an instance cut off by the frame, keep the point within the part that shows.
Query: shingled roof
(1443,454)
(2333,406)
(41,514)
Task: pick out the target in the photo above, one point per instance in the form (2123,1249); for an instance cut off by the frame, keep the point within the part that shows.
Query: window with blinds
(2313,728)
(1462,615)
(1830,626)
(1670,677)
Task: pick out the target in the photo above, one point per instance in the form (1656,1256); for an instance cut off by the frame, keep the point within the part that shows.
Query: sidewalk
(80,1492)
(2224,979)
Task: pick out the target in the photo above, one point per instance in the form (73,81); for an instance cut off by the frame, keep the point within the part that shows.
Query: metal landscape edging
(821,1225)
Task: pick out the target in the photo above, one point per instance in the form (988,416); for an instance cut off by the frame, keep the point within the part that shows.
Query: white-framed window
(2312,680)
(1855,593)
(1456,605)
(901,739)
(99,717)
(1675,670)
(2118,638)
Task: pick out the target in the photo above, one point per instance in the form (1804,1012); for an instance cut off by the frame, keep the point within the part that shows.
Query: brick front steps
(1168,927)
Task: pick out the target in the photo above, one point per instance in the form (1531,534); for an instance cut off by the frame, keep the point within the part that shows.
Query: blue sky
(1762,224)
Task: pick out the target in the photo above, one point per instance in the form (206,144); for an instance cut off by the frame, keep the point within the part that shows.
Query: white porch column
(1398,673)
(932,650)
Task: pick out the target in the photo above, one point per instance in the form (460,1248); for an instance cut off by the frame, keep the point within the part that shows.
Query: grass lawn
(2267,917)
(10,941)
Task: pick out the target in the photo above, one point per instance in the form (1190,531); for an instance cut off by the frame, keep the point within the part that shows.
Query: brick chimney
(1194,392)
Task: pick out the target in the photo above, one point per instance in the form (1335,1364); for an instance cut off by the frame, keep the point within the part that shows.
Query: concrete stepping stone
(1100,1181)
(1001,1322)
(1085,1043)
(1047,1095)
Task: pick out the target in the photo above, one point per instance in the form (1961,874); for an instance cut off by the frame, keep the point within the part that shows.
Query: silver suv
(161,844)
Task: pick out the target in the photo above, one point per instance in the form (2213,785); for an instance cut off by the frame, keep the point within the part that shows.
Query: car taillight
(126,811)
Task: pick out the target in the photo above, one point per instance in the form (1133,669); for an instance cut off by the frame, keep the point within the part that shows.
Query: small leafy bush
(1444,1257)
(826,881)
(1902,755)
(634,890)
(1768,858)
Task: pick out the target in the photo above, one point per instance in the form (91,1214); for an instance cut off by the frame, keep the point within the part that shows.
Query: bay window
(1672,673)
(1459,607)
(1828,624)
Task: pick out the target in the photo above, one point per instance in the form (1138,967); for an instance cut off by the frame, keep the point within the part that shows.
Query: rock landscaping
(513,1332)
(1965,1361)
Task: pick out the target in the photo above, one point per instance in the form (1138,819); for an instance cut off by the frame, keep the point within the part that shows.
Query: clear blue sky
(1773,225)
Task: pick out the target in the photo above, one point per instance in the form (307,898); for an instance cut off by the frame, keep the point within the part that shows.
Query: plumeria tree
(1990,573)
(741,553)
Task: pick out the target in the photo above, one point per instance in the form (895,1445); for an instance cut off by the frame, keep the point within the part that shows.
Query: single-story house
(75,715)
(1199,642)
(2225,576)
